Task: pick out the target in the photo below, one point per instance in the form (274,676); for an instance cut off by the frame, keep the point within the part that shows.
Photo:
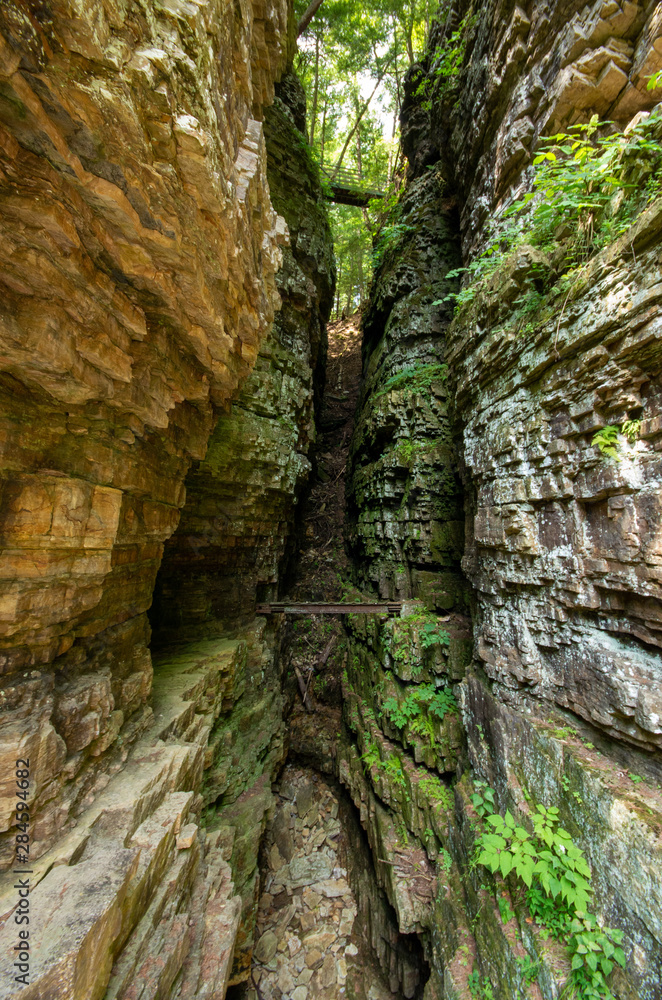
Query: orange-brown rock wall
(138,247)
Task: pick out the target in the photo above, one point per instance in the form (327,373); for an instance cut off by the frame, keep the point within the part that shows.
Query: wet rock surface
(311,943)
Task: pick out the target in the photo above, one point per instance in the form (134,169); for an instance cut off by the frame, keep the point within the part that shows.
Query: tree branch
(308,16)
(358,120)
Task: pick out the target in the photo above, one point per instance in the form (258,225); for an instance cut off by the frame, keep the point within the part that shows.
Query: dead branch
(325,654)
(303,688)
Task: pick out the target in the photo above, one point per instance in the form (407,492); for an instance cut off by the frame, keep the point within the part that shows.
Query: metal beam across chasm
(390,608)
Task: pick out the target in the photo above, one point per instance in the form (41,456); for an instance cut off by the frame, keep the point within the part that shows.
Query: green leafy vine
(558,892)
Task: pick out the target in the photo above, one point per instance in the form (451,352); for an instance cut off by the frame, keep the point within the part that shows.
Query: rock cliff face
(236,527)
(561,702)
(139,257)
(405,500)
(157,415)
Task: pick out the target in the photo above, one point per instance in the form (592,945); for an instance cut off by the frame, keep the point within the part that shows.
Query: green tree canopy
(352,59)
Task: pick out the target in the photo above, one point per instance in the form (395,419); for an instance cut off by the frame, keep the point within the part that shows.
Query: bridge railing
(350,179)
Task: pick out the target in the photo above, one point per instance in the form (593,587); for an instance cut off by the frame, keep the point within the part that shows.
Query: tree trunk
(313,113)
(308,16)
(396,111)
(323,132)
(350,289)
(358,153)
(359,262)
(409,31)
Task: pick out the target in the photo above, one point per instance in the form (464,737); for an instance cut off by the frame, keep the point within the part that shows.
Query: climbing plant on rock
(558,891)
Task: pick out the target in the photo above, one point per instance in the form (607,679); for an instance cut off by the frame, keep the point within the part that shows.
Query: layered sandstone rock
(162,775)
(236,531)
(143,891)
(137,261)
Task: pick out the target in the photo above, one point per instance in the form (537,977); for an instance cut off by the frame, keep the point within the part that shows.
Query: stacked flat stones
(307,910)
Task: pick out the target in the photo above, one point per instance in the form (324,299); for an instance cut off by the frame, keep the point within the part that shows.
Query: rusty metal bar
(390,608)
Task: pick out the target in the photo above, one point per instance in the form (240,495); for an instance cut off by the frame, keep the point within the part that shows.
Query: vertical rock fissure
(368,955)
(325,928)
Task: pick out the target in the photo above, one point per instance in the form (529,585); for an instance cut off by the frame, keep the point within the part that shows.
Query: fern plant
(371,756)
(437,702)
(606,439)
(393,768)
(433,788)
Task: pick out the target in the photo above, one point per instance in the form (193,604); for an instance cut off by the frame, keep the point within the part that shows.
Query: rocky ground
(310,944)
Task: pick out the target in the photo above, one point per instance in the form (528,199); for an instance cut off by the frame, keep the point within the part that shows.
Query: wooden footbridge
(389,608)
(347,187)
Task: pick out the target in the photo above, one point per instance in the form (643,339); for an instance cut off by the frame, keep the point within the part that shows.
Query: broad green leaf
(506,862)
(526,873)
(607,966)
(494,840)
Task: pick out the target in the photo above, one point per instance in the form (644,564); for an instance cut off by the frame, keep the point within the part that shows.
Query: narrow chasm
(333,739)
(331,500)
(325,924)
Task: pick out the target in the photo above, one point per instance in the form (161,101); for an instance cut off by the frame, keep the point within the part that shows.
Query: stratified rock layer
(528,71)
(137,261)
(405,514)
(236,528)
(561,703)
(138,895)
